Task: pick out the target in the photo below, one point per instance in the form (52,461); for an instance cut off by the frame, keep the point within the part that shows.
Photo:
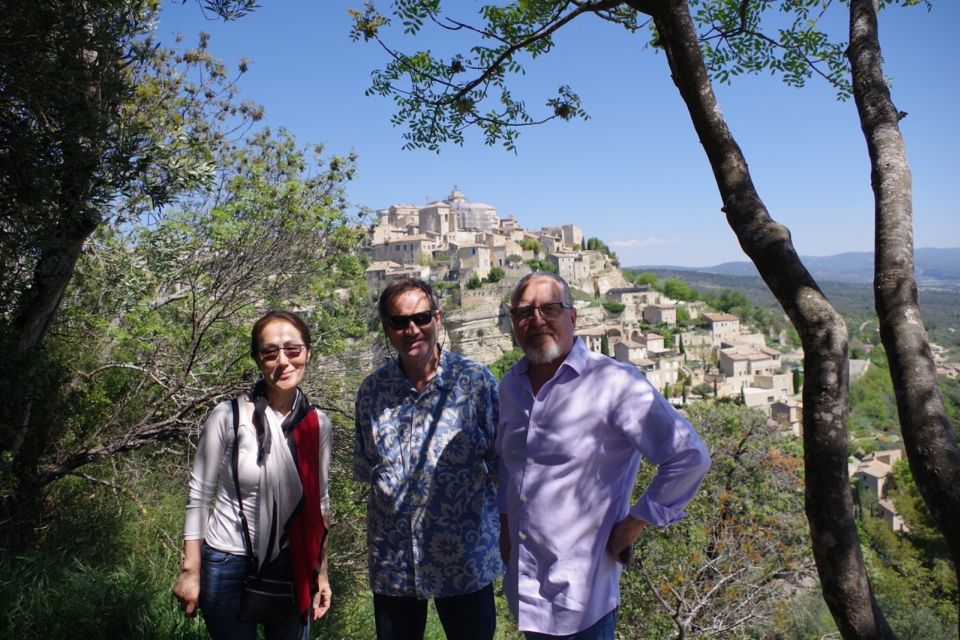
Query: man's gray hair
(564,287)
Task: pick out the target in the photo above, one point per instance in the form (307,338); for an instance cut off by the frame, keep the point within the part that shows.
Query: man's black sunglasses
(422,319)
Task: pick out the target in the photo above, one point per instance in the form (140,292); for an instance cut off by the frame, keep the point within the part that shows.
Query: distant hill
(934,267)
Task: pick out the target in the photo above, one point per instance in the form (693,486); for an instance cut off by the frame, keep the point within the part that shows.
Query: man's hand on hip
(622,537)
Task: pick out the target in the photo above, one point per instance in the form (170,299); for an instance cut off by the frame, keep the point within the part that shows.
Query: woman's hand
(187,591)
(321,599)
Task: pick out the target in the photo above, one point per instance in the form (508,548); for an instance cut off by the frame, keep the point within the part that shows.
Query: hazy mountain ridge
(935,267)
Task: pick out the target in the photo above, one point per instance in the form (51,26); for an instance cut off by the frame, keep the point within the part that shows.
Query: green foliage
(496,274)
(806,617)
(678,290)
(474,282)
(730,301)
(739,547)
(683,315)
(703,390)
(100,124)
(596,244)
(504,362)
(436,100)
(531,244)
(872,402)
(613,307)
(155,327)
(641,278)
(543,266)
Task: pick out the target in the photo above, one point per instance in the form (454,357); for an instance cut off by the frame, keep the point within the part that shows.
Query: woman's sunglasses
(422,319)
(268,354)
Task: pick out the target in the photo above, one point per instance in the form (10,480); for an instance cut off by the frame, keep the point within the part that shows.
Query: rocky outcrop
(480,329)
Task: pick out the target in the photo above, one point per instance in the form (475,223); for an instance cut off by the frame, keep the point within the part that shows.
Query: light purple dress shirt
(569,458)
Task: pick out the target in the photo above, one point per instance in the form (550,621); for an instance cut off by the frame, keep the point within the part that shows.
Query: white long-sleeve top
(212,474)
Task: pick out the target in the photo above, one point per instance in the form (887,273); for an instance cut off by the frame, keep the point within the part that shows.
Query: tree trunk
(829,505)
(930,445)
(51,277)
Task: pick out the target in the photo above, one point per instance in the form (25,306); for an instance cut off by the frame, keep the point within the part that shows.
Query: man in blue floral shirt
(424,442)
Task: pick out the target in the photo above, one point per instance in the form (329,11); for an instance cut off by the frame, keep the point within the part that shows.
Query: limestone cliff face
(480,329)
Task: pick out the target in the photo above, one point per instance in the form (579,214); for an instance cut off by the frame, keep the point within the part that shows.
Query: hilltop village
(474,257)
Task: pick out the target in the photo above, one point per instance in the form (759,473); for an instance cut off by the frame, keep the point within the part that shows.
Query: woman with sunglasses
(274,447)
(424,443)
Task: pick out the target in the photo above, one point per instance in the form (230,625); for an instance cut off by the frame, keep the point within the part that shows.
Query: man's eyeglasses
(292,351)
(422,319)
(549,310)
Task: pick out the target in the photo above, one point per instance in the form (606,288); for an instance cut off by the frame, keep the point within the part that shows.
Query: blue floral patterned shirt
(432,520)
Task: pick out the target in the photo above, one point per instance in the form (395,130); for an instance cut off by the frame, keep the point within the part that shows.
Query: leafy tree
(100,125)
(930,444)
(496,274)
(148,359)
(543,266)
(678,290)
(438,99)
(722,571)
(504,362)
(703,389)
(474,282)
(531,244)
(596,244)
(641,278)
(93,111)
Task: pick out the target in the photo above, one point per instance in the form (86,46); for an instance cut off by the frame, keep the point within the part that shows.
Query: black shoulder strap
(236,479)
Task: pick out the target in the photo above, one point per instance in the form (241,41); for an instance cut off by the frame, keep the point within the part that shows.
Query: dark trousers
(468,617)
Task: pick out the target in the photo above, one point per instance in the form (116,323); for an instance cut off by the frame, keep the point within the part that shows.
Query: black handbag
(268,592)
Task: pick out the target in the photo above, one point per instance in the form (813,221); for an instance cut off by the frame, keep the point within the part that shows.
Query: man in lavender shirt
(573,427)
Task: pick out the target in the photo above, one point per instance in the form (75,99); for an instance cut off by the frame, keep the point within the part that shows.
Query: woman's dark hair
(269,317)
(402,285)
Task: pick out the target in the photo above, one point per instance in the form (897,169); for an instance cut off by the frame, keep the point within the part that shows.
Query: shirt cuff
(655,514)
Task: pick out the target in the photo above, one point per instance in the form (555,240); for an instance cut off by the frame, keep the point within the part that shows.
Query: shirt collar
(440,380)
(575,360)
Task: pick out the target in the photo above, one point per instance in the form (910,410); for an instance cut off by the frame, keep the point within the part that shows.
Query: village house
(630,351)
(378,274)
(661,313)
(470,259)
(634,300)
(746,360)
(789,413)
(873,472)
(592,337)
(723,327)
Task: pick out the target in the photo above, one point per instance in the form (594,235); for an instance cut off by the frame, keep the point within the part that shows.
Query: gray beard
(544,354)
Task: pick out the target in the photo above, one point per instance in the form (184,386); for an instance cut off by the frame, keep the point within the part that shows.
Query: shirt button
(523,536)
(523,498)
(529,460)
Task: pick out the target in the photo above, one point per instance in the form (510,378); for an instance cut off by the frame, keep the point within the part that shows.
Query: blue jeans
(221,583)
(472,616)
(602,629)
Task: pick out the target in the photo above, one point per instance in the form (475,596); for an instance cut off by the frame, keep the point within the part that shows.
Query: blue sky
(633,175)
